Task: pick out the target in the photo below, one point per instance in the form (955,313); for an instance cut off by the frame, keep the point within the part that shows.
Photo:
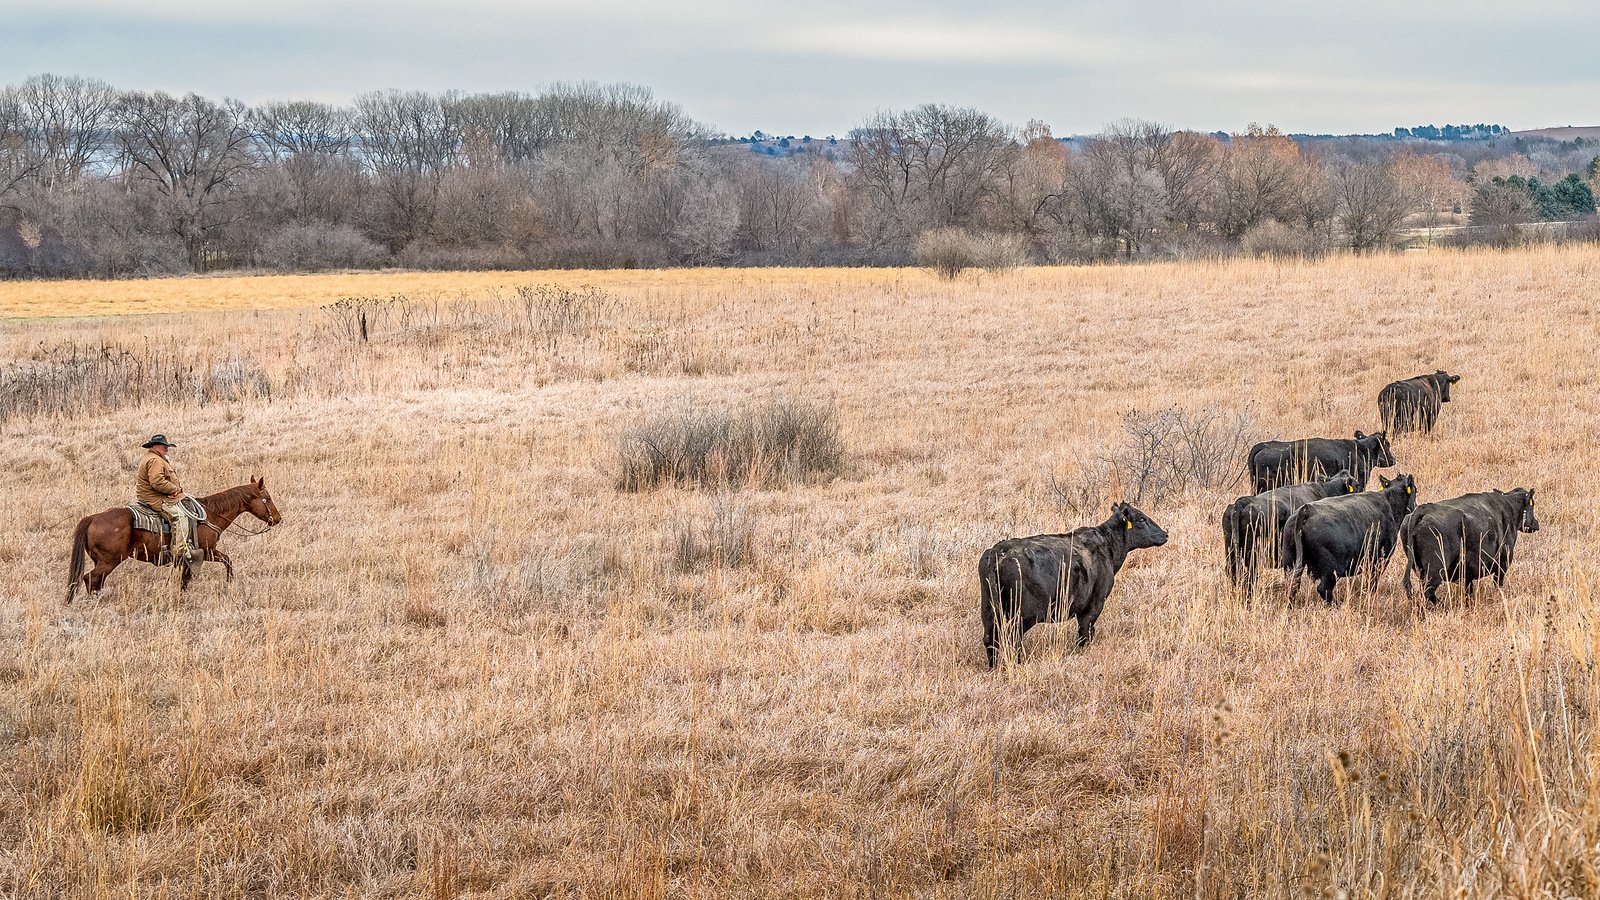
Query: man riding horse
(107,539)
(157,487)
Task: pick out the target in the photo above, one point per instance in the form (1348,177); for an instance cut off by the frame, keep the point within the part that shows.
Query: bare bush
(238,377)
(68,379)
(1274,238)
(1162,456)
(317,246)
(553,309)
(725,538)
(951,251)
(780,442)
(356,319)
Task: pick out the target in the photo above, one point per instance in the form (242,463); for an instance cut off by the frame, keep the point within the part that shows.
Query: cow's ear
(1384,481)
(1454,378)
(1359,435)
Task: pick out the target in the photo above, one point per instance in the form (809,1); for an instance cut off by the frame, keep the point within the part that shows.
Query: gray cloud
(1360,65)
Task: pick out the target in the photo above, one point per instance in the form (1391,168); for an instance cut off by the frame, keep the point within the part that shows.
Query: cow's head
(1141,530)
(1528,523)
(1444,379)
(1375,447)
(1342,483)
(1402,489)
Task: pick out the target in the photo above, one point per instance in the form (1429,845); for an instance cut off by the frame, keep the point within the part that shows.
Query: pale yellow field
(467,666)
(46,299)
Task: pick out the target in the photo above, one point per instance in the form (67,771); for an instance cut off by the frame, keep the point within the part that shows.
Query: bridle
(235,525)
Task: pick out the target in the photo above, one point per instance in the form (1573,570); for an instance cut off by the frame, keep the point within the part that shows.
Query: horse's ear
(256,480)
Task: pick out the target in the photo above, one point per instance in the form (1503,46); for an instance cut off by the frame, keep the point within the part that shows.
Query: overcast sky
(820,66)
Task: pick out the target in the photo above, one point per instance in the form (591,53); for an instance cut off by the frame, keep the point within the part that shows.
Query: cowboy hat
(158,439)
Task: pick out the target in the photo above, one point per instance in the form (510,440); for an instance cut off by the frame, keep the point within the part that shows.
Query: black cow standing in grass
(1344,536)
(1465,538)
(1413,404)
(1050,577)
(1251,526)
(1278,463)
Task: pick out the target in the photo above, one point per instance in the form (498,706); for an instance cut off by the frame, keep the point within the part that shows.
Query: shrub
(780,442)
(238,377)
(1161,455)
(314,246)
(950,251)
(1274,238)
(552,309)
(726,538)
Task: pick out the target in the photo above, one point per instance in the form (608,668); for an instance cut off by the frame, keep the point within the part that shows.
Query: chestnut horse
(109,537)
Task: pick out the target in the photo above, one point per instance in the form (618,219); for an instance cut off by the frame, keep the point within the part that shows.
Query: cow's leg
(1086,619)
(1325,585)
(1430,589)
(188,573)
(1023,626)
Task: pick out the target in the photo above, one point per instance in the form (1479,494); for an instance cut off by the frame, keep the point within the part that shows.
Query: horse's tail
(80,552)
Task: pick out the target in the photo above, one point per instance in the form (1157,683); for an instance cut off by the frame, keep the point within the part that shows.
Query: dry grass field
(469,664)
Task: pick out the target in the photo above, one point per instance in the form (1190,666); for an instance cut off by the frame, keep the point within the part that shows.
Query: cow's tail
(80,553)
(989,585)
(1292,555)
(1406,534)
(1233,538)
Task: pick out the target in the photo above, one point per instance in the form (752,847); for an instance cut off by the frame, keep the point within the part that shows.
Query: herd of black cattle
(1311,512)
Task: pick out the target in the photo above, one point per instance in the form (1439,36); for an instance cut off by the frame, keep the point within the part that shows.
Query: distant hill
(1566,132)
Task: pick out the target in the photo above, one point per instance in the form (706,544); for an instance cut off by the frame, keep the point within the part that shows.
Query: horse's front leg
(227,564)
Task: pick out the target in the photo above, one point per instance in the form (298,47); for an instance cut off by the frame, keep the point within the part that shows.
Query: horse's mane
(239,496)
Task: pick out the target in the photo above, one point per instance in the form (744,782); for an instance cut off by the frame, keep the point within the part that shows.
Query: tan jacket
(158,481)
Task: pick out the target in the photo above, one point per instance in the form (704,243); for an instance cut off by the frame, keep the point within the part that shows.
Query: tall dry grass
(468,664)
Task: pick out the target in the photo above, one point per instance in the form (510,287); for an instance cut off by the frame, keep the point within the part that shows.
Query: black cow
(1253,524)
(1278,463)
(1050,577)
(1414,403)
(1464,539)
(1343,536)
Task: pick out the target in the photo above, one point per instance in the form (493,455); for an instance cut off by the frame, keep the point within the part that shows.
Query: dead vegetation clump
(776,443)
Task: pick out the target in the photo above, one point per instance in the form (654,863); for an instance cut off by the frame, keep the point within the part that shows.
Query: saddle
(146,518)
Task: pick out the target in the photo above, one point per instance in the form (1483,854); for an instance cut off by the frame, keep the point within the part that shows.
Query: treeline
(103,182)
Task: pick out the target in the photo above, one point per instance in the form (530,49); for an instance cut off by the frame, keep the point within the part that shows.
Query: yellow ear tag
(1408,489)
(1349,489)
(1129,523)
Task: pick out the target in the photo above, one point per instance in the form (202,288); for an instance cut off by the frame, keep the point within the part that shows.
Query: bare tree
(1032,186)
(1427,179)
(18,157)
(1187,163)
(189,153)
(1372,204)
(408,140)
(1123,159)
(1257,180)
(71,120)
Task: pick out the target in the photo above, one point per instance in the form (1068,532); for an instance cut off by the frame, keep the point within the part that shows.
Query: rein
(231,526)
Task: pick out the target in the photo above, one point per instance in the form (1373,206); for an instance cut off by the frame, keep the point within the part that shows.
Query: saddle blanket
(147,519)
